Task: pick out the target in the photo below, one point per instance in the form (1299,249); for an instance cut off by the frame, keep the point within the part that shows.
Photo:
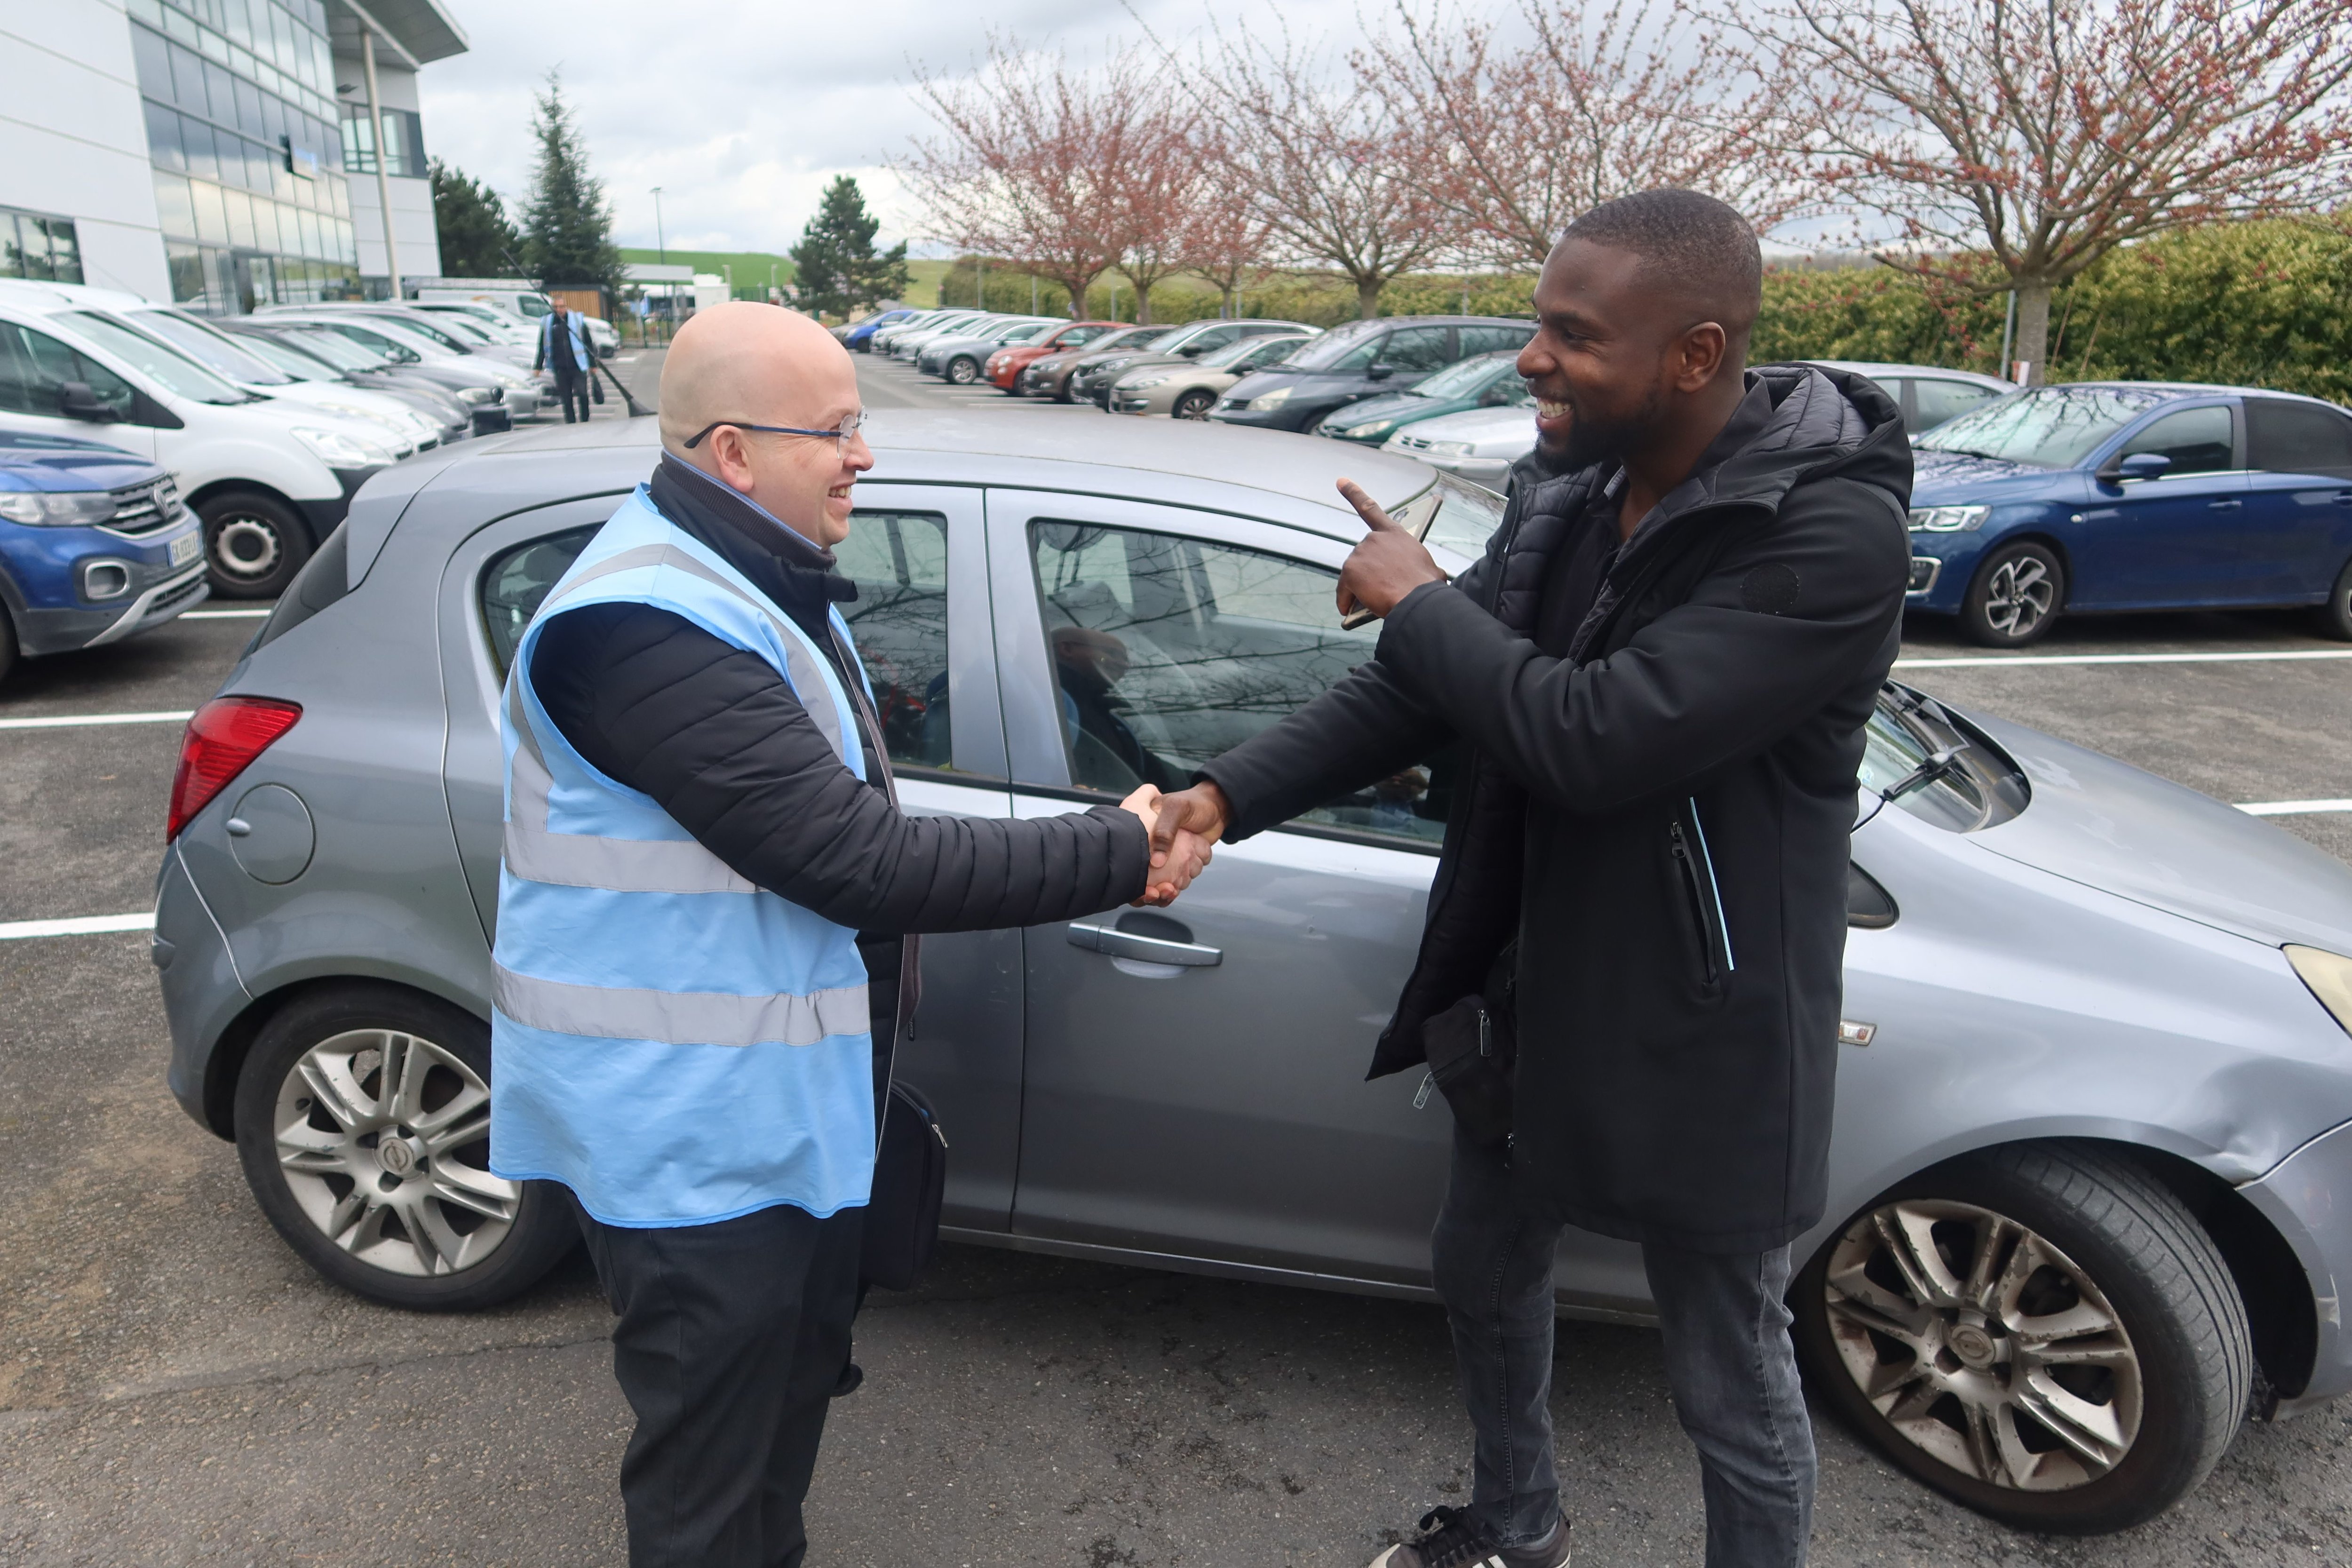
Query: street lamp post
(660,245)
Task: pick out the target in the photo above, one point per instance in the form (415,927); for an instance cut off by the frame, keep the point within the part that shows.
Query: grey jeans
(1730,1366)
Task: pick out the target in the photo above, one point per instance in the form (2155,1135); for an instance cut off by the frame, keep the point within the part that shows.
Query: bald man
(706,942)
(1658,678)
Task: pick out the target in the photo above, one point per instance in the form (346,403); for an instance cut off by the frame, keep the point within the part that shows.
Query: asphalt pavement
(176,1388)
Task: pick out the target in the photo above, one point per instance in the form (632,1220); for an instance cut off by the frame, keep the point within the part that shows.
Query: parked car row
(265,425)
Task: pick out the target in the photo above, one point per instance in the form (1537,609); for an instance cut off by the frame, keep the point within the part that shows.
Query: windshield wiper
(1934,769)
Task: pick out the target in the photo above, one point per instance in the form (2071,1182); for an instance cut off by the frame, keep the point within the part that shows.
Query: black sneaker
(1450,1538)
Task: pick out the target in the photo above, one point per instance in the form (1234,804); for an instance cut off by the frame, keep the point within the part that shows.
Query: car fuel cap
(271,833)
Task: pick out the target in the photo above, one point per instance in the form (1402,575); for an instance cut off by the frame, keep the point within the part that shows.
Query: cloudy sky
(742,111)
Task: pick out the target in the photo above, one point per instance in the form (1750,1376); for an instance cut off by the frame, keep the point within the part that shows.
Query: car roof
(2202,389)
(37,297)
(1889,367)
(1274,476)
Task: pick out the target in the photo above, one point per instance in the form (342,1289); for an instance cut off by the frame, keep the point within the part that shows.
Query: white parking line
(2291,807)
(1990,660)
(79,925)
(223,614)
(68,721)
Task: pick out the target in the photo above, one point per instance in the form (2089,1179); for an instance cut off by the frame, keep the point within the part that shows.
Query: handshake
(1182,827)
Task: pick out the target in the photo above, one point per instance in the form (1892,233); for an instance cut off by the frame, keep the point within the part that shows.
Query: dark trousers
(571,387)
(1729,1365)
(730,1339)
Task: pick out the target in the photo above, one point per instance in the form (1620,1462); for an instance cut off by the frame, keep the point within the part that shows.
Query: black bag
(595,387)
(910,1175)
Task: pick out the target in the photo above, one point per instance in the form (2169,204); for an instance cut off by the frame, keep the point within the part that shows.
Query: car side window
(1414,349)
(1941,399)
(1372,350)
(1495,339)
(516,582)
(2284,438)
(1167,651)
(2198,441)
(900,622)
(35,368)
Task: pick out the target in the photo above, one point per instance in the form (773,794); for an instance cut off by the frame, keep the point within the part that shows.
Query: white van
(269,477)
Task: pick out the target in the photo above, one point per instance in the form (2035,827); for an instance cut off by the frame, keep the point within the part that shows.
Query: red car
(1005,366)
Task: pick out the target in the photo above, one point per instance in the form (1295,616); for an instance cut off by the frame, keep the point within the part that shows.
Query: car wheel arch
(225,1065)
(2274,1281)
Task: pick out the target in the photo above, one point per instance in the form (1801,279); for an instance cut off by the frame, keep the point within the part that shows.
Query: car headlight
(343,448)
(72,510)
(1449,449)
(1367,430)
(1148,383)
(2329,976)
(1948,519)
(1267,401)
(477,394)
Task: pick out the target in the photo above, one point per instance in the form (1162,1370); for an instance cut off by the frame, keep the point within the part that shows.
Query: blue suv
(2131,494)
(94,545)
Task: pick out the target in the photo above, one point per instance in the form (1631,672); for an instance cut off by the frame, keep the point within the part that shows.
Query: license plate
(186,548)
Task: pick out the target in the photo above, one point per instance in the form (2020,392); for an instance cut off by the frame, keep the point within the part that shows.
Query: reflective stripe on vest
(676,1017)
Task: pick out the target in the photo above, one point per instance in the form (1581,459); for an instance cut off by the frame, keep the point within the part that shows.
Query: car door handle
(2224,505)
(1113,943)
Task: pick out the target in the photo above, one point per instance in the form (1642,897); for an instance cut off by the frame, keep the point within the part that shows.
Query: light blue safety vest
(673,1044)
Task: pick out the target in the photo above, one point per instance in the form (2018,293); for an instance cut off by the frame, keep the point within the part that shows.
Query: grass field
(751,267)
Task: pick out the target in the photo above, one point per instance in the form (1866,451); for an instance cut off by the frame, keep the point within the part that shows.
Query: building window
(34,246)
(403,130)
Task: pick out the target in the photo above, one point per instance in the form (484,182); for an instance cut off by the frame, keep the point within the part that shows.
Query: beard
(1593,439)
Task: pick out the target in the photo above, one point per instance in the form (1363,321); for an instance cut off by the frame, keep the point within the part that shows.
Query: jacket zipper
(1704,894)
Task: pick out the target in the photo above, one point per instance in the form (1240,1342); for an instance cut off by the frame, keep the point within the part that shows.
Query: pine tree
(567,222)
(836,271)
(478,238)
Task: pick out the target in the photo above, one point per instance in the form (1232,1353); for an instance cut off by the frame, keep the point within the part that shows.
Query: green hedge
(2258,304)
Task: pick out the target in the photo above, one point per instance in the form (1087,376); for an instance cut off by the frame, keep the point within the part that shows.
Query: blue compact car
(94,546)
(859,339)
(2106,496)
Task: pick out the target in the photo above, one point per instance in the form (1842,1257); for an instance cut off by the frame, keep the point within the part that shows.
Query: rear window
(515,583)
(2284,438)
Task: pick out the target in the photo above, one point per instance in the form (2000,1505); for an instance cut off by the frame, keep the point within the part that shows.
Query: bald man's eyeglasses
(843,434)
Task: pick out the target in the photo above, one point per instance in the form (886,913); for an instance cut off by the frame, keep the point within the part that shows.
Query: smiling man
(1630,980)
(706,911)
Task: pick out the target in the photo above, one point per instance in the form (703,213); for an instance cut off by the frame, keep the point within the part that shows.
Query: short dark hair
(1689,243)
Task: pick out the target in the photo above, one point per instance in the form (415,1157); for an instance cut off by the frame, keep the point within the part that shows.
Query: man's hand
(1178,854)
(1389,564)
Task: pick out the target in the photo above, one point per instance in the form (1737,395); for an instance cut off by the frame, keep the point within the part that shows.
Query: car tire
(7,643)
(429,1229)
(2016,596)
(254,545)
(2149,1386)
(963,370)
(1194,404)
(1062,393)
(2335,616)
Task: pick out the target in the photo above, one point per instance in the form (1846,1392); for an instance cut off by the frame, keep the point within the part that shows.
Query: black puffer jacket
(718,740)
(1659,817)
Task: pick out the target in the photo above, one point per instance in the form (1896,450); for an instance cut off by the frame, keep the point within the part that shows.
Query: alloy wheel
(2018,595)
(1983,1344)
(964,373)
(1194,404)
(385,1141)
(245,547)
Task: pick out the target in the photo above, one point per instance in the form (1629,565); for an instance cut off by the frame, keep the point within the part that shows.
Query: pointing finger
(1368,509)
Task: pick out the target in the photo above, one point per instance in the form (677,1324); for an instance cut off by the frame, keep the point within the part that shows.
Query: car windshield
(1027,335)
(335,348)
(2045,426)
(174,371)
(297,364)
(209,348)
(1164,343)
(376,330)
(432,334)
(1935,766)
(1323,353)
(469,332)
(1467,379)
(1244,351)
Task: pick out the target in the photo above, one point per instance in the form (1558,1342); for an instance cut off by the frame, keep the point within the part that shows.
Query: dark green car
(1486,381)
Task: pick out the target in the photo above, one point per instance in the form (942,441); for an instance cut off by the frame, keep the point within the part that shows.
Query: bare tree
(1025,162)
(1159,190)
(1224,241)
(1588,110)
(1326,162)
(2046,134)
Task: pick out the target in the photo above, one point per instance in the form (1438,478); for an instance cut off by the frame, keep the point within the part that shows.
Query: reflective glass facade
(242,128)
(37,246)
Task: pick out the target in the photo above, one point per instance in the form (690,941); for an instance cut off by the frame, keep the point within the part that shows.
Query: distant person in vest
(564,350)
(705,928)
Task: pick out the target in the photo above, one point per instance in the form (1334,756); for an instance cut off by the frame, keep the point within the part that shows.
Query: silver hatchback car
(2094,1124)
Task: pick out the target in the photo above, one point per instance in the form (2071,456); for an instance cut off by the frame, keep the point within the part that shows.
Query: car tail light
(222,741)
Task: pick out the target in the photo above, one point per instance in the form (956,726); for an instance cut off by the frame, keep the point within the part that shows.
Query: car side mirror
(2139,466)
(77,401)
(1494,398)
(1379,372)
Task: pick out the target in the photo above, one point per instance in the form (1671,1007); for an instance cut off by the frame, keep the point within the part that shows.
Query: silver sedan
(2095,1122)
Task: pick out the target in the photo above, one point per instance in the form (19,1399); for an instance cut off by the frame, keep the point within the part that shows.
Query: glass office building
(249,154)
